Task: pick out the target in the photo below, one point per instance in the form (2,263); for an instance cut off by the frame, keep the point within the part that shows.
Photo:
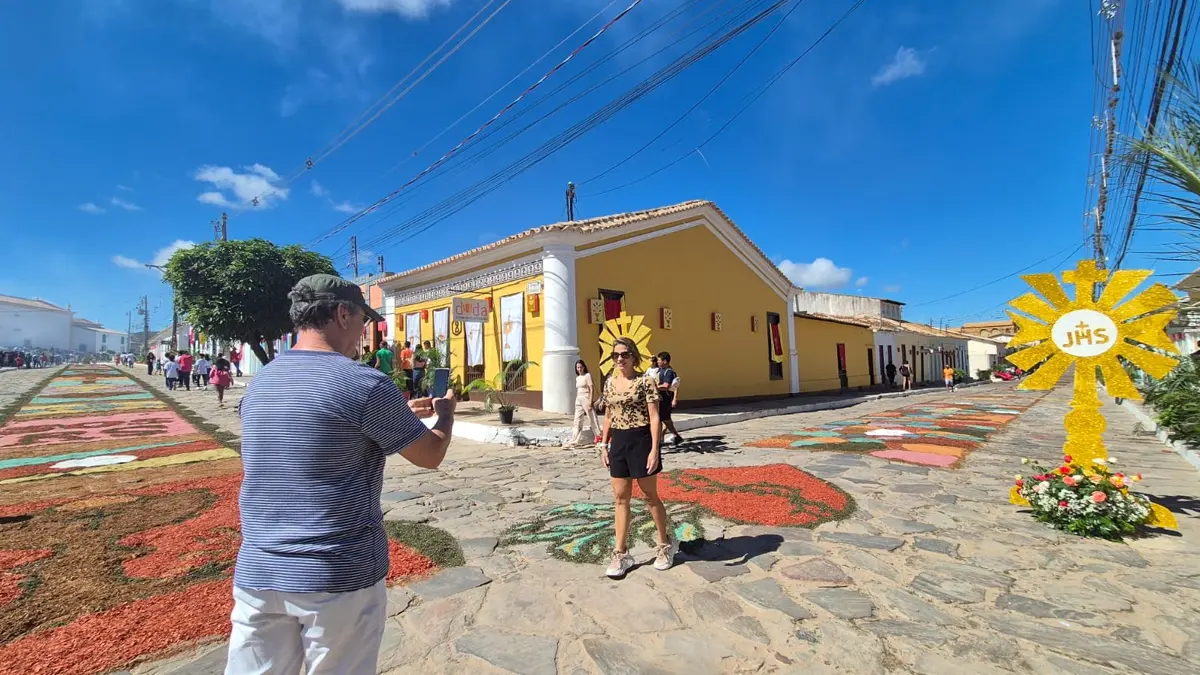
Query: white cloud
(861,281)
(820,273)
(347,207)
(255,182)
(126,188)
(905,64)
(319,190)
(121,203)
(90,208)
(412,9)
(161,256)
(891,288)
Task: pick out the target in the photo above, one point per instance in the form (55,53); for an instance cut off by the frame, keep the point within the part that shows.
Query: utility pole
(129,331)
(144,310)
(1097,238)
(380,265)
(224,227)
(354,254)
(570,202)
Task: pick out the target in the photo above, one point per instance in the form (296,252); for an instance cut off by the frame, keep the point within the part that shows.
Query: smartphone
(441,382)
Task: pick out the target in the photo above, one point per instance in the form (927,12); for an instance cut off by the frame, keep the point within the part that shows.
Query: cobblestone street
(934,573)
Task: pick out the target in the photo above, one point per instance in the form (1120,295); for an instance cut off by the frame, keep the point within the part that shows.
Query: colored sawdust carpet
(775,494)
(119,529)
(938,434)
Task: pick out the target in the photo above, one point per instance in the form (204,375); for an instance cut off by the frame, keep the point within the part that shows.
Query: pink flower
(1068,481)
(1063,505)
(1099,496)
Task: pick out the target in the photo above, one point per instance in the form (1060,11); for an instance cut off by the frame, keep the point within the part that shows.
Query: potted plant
(498,389)
(401,379)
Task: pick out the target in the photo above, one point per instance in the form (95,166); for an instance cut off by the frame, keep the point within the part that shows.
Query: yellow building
(836,352)
(711,297)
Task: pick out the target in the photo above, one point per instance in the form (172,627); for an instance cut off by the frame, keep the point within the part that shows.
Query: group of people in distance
(184,370)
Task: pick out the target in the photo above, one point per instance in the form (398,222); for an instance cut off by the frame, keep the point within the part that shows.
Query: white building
(839,304)
(89,337)
(983,353)
(34,324)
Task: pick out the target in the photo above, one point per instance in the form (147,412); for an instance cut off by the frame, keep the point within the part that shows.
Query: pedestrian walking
(235,360)
(406,363)
(200,371)
(629,448)
(171,371)
(948,376)
(221,378)
(150,363)
(308,586)
(666,384)
(585,408)
(905,376)
(383,359)
(185,361)
(891,374)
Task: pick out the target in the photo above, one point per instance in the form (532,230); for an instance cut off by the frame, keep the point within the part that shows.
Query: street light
(174,312)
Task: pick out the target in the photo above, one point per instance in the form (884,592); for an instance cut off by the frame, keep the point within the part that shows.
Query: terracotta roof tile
(588,226)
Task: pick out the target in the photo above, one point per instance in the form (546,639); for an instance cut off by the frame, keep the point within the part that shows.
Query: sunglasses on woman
(621,355)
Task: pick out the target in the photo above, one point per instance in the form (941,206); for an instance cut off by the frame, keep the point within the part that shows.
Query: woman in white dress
(585,407)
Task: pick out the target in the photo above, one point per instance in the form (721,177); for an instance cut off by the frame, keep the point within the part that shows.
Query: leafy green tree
(238,290)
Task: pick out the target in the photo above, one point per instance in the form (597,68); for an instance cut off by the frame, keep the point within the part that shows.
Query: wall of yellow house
(816,344)
(694,274)
(534,330)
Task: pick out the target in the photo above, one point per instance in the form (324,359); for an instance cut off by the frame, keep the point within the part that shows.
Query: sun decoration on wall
(632,327)
(1092,334)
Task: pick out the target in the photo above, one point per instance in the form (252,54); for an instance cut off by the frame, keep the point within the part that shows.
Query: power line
(749,101)
(480,153)
(358,125)
(702,99)
(998,280)
(441,160)
(423,221)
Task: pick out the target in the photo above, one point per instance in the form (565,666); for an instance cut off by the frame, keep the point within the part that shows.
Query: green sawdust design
(585,532)
(437,545)
(823,512)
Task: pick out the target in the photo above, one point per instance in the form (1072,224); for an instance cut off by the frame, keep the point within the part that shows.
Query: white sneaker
(621,562)
(665,556)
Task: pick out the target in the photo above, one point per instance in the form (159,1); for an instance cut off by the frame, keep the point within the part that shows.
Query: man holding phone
(317,428)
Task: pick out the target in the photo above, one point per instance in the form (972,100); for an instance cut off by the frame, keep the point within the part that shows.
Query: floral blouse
(629,409)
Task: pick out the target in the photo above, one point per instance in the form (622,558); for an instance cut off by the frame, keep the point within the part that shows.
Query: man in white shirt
(200,371)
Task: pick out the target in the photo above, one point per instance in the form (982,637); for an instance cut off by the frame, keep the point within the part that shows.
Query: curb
(519,435)
(1180,448)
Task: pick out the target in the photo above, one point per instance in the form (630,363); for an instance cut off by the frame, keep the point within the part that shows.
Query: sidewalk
(535,427)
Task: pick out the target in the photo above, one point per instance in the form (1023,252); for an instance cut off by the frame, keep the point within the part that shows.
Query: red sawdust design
(405,564)
(10,583)
(95,643)
(773,494)
(211,537)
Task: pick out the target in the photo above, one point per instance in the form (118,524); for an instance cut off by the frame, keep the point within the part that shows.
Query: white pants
(274,632)
(584,414)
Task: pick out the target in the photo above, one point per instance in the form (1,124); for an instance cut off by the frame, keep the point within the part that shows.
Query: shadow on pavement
(1182,504)
(701,445)
(734,550)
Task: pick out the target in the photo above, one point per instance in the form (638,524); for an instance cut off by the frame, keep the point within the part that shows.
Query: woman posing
(585,410)
(630,449)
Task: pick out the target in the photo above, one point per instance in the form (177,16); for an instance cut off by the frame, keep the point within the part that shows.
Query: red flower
(1066,459)
(1063,505)
(1064,470)
(1099,496)
(1020,483)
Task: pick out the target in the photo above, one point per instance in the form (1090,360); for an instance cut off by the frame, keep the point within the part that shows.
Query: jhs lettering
(1085,334)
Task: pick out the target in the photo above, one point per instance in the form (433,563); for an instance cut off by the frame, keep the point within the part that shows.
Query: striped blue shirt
(316,429)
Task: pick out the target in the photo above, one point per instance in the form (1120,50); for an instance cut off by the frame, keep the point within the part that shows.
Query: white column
(561,342)
(793,355)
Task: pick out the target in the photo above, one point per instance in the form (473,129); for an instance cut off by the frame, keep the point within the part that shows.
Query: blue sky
(926,147)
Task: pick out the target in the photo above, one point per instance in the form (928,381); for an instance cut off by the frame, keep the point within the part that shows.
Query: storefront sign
(533,287)
(470,309)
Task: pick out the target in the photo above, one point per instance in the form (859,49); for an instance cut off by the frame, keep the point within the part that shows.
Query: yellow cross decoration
(633,327)
(1089,334)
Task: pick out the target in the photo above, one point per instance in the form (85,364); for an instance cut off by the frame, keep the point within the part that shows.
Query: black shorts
(628,451)
(665,396)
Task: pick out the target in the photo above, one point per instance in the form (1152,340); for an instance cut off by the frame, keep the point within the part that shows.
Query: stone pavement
(15,383)
(934,574)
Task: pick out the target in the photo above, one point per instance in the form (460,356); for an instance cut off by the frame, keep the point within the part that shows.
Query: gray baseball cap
(332,287)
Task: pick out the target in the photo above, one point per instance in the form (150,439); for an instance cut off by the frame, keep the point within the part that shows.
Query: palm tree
(1172,158)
